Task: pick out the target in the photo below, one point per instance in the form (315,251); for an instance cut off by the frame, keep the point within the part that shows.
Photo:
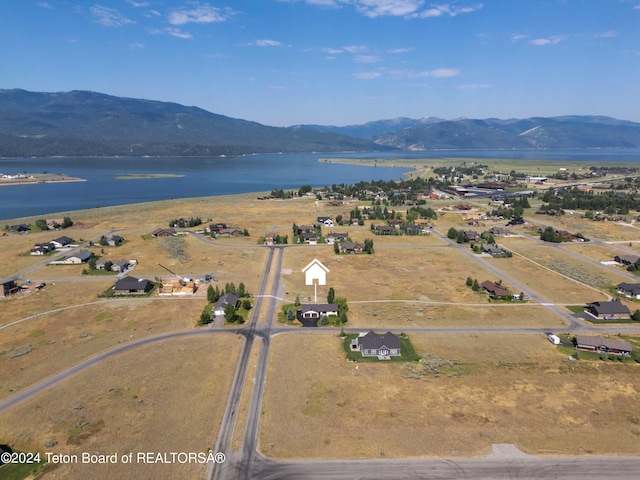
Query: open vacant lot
(479,389)
(134,402)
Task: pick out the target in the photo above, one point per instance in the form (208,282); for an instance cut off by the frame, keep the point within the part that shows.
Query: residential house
(471,236)
(114,240)
(42,248)
(336,237)
(216,227)
(494,290)
(54,223)
(116,265)
(164,232)
(79,257)
(269,239)
(21,228)
(630,290)
(61,241)
(627,259)
(596,343)
(230,232)
(350,247)
(384,229)
(371,344)
(492,250)
(310,238)
(607,310)
(8,287)
(222,303)
(325,221)
(500,231)
(305,229)
(316,310)
(132,286)
(395,223)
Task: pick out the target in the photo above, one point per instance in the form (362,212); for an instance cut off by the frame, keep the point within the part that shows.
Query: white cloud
(266,43)
(367,59)
(109,17)
(552,40)
(200,14)
(395,8)
(332,51)
(436,73)
(474,86)
(355,48)
(174,32)
(367,75)
(400,50)
(516,38)
(609,34)
(137,45)
(135,4)
(45,5)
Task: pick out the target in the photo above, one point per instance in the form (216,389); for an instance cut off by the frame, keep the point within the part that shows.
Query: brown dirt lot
(166,397)
(503,389)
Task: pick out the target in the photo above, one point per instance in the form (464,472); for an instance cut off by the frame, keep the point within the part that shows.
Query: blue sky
(338,62)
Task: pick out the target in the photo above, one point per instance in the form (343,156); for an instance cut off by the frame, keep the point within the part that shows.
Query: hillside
(559,133)
(81,123)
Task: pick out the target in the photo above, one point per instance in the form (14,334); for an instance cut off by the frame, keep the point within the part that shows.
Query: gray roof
(373,341)
(83,255)
(63,240)
(132,283)
(224,300)
(609,308)
(630,288)
(598,341)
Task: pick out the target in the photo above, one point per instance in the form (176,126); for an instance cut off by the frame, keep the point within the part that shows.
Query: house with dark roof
(21,228)
(9,287)
(222,303)
(627,259)
(629,290)
(132,286)
(114,240)
(331,238)
(230,232)
(492,250)
(607,310)
(79,257)
(371,344)
(42,249)
(350,247)
(310,238)
(325,221)
(216,227)
(471,236)
(500,231)
(596,343)
(494,290)
(163,232)
(61,241)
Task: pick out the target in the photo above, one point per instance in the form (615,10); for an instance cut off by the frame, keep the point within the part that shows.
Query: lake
(222,176)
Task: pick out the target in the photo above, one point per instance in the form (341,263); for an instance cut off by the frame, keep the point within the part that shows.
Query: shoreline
(5,183)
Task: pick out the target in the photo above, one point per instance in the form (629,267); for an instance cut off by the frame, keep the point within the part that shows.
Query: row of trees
(41,224)
(185,222)
(573,199)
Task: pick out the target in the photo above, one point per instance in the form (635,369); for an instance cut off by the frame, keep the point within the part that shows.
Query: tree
(204,318)
(469,281)
(92,263)
(66,222)
(475,286)
(246,304)
(336,248)
(331,295)
(460,236)
(241,291)
(368,246)
(297,302)
(41,224)
(245,232)
(635,316)
(290,315)
(107,265)
(230,288)
(211,294)
(103,241)
(230,313)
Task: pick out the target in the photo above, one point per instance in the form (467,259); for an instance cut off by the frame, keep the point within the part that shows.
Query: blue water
(223,176)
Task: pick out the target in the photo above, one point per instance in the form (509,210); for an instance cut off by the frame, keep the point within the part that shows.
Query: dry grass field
(64,338)
(607,231)
(598,252)
(490,389)
(393,272)
(583,271)
(414,315)
(165,397)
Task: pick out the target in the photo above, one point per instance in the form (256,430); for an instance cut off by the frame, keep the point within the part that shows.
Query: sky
(334,62)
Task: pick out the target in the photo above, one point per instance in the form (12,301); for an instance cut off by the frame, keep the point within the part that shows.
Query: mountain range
(82,123)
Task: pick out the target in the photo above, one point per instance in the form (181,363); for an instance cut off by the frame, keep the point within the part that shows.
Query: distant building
(607,310)
(371,344)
